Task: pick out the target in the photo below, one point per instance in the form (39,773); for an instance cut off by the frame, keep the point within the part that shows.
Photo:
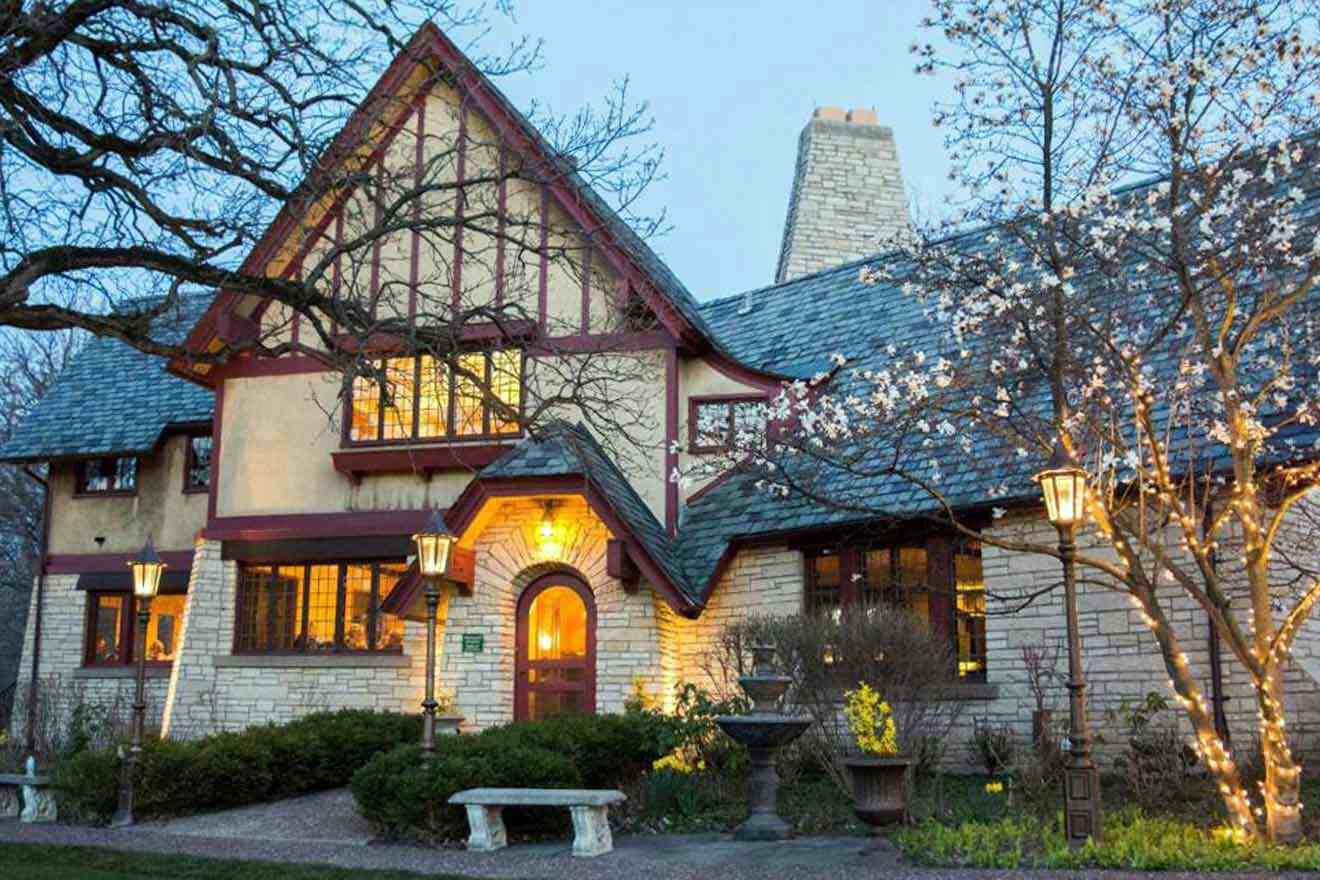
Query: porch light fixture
(546,531)
(434,545)
(1063,483)
(147,568)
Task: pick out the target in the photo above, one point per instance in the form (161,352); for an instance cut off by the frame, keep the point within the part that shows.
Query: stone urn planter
(448,725)
(880,789)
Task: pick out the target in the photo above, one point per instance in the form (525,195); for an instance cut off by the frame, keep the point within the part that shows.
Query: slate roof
(112,399)
(565,449)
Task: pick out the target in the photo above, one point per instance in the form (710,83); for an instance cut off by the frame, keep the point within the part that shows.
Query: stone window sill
(130,672)
(313,661)
(970,691)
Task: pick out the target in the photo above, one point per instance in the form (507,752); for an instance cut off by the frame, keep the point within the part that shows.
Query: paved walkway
(324,829)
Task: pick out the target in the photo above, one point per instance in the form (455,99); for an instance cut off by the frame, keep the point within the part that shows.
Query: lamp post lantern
(1063,483)
(434,544)
(147,569)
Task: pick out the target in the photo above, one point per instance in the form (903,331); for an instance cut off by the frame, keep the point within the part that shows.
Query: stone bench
(591,826)
(38,800)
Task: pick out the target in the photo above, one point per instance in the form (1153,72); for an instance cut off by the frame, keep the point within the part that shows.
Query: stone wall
(63,682)
(630,650)
(847,198)
(210,689)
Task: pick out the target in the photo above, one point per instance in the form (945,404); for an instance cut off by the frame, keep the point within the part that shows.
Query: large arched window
(556,652)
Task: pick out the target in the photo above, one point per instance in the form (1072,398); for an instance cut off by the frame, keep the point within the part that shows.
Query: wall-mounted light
(548,542)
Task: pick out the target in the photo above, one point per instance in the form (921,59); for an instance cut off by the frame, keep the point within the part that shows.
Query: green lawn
(21,861)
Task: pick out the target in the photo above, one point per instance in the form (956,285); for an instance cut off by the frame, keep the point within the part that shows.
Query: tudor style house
(285,517)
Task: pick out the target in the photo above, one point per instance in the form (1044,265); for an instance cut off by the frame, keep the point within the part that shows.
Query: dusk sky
(731,84)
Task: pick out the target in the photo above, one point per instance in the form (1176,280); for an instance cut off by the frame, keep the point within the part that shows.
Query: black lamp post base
(1081,798)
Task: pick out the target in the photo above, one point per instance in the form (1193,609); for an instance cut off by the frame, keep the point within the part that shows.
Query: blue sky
(731,83)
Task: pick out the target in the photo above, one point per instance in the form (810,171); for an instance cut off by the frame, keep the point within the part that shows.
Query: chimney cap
(833,114)
(863,116)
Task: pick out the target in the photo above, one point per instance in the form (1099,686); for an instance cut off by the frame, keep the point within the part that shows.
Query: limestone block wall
(759,581)
(1120,656)
(847,196)
(210,689)
(62,681)
(630,647)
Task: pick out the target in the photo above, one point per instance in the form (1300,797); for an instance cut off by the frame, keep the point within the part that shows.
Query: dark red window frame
(731,402)
(523,666)
(127,630)
(451,403)
(80,476)
(940,587)
(299,643)
(190,463)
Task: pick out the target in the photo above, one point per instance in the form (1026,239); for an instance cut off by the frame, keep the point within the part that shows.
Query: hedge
(265,763)
(403,798)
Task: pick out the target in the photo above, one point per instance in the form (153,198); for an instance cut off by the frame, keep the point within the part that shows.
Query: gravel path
(323,829)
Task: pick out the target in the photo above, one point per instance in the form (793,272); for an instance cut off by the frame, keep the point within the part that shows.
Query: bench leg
(8,801)
(38,804)
(487,828)
(591,831)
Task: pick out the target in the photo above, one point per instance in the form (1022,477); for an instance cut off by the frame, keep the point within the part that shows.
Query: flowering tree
(1140,289)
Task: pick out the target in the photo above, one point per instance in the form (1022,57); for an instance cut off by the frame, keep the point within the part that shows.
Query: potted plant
(880,774)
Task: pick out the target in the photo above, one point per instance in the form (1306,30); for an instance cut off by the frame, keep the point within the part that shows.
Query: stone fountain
(765,731)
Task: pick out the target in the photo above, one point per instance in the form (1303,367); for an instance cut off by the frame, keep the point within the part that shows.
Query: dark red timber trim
(289,365)
(378,212)
(503,198)
(729,368)
(460,203)
(315,525)
(415,258)
(91,563)
(523,665)
(543,289)
(359,463)
(586,291)
(217,419)
(671,439)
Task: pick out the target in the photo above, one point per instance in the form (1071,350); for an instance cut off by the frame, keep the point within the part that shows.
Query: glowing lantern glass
(434,543)
(147,569)
(1063,483)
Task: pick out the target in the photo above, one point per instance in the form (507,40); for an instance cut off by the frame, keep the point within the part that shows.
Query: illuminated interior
(556,653)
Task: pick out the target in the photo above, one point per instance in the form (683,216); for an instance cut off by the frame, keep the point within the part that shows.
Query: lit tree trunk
(1211,748)
(1283,809)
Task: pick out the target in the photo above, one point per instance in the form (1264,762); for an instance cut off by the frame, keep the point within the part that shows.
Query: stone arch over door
(555,647)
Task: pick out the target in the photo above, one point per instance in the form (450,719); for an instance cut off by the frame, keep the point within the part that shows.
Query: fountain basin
(762,731)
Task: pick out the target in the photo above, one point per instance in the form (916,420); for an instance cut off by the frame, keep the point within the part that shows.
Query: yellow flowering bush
(871,721)
(994,788)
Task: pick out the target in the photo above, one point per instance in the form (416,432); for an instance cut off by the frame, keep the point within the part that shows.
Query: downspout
(30,732)
(1217,697)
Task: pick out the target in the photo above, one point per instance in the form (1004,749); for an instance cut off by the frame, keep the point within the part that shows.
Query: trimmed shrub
(404,798)
(265,763)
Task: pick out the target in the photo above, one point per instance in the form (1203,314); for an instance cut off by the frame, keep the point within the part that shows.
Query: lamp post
(147,569)
(434,543)
(1063,483)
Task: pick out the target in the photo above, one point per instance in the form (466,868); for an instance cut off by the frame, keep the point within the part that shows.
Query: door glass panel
(557,625)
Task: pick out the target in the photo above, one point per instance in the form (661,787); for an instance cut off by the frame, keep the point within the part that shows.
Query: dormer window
(106,476)
(197,463)
(714,423)
(425,400)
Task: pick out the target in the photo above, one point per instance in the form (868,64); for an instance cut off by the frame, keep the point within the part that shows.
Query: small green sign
(473,643)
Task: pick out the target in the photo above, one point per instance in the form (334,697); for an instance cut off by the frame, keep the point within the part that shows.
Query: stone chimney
(847,194)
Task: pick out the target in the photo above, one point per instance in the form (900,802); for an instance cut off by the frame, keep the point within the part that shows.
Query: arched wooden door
(555,668)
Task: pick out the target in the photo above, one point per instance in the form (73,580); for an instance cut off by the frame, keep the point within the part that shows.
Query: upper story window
(111,618)
(197,463)
(426,400)
(106,476)
(317,608)
(714,423)
(952,603)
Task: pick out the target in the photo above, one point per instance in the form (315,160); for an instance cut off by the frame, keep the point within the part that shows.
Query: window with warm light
(905,575)
(317,608)
(111,618)
(423,399)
